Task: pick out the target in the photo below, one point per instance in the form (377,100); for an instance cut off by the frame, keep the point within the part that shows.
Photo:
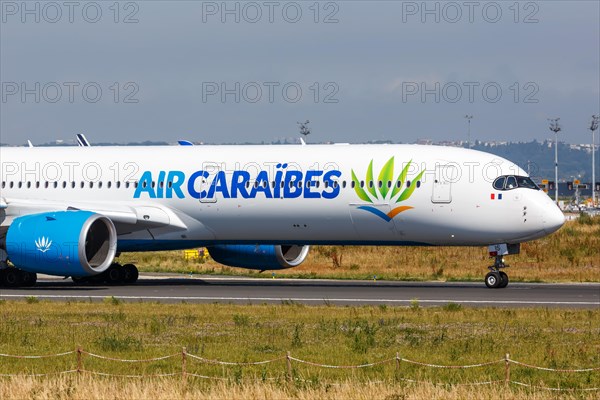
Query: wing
(127,218)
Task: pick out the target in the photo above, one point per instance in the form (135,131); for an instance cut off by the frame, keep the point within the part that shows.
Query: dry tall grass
(87,388)
(570,255)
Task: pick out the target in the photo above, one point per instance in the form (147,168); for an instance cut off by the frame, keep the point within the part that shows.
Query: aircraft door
(442,184)
(203,185)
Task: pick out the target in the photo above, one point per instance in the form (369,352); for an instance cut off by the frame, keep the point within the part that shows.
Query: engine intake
(64,243)
(261,257)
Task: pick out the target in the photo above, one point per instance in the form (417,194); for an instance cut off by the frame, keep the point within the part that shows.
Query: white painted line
(299,299)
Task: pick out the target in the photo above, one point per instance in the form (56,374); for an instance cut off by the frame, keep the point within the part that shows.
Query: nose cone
(553,219)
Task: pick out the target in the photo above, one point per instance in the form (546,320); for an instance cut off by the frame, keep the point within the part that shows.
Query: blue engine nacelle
(67,243)
(261,257)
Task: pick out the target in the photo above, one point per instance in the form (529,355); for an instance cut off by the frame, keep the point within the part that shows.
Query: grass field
(449,335)
(570,255)
(97,389)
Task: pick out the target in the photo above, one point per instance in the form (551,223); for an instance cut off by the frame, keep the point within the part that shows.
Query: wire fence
(184,356)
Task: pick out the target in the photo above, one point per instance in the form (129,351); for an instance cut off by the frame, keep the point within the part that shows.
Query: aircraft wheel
(114,275)
(493,280)
(504,282)
(29,278)
(12,277)
(130,273)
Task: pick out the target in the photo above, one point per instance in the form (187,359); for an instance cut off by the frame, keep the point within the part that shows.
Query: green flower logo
(385,188)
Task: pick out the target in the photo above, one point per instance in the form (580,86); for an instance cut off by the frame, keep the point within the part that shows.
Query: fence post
(507,369)
(397,364)
(183,364)
(288,362)
(79,360)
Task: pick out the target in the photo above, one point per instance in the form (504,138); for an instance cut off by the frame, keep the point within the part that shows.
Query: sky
(222,72)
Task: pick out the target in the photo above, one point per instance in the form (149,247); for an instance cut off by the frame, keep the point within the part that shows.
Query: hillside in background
(575,160)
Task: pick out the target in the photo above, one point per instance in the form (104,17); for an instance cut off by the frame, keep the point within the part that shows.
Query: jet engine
(64,243)
(261,257)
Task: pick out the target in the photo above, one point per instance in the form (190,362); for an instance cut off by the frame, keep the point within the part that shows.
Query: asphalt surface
(203,289)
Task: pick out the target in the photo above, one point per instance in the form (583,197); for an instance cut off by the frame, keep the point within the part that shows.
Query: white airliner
(69,211)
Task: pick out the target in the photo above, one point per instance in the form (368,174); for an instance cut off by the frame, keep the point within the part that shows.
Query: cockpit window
(525,182)
(499,183)
(509,182)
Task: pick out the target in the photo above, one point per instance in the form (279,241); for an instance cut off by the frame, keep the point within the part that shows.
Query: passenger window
(55,185)
(108,184)
(118,184)
(407,184)
(344,184)
(511,183)
(499,183)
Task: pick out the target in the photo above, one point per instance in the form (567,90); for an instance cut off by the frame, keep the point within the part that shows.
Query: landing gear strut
(496,279)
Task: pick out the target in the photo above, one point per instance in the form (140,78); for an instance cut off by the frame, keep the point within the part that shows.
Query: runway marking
(308,299)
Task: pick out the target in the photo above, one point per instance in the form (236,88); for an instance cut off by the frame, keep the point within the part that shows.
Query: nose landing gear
(496,279)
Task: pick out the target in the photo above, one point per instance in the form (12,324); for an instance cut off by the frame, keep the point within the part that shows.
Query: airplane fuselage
(189,196)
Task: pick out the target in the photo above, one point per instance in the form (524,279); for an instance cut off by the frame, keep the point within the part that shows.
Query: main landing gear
(496,279)
(116,274)
(14,277)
